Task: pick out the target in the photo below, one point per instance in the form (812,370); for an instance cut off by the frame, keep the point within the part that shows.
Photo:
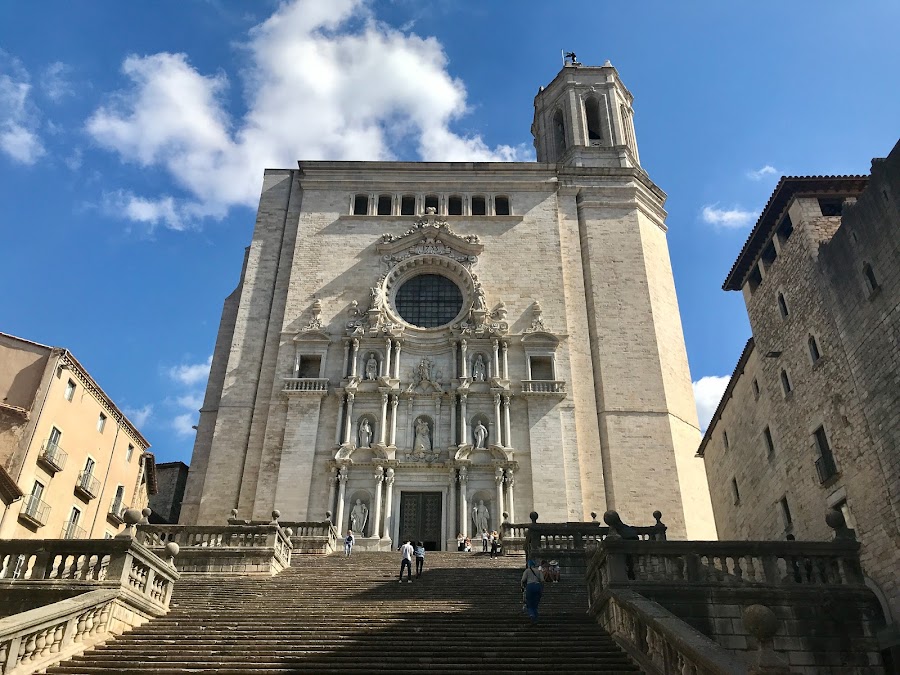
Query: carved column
(348,423)
(455,357)
(463,422)
(339,427)
(505,348)
(498,508)
(465,364)
(383,429)
(506,437)
(346,359)
(495,370)
(297,364)
(436,439)
(388,502)
(332,479)
(376,511)
(354,355)
(394,401)
(451,505)
(453,440)
(409,421)
(464,501)
(343,475)
(498,424)
(387,359)
(510,500)
(397,360)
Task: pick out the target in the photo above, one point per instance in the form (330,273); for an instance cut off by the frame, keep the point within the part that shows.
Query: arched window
(384,205)
(432,202)
(782,306)
(455,206)
(814,352)
(592,113)
(559,134)
(479,207)
(361,205)
(501,206)
(408,205)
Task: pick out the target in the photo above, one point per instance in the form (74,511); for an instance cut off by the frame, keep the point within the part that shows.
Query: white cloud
(759,174)
(183,425)
(325,81)
(726,219)
(150,212)
(192,401)
(191,373)
(19,119)
(707,394)
(55,81)
(139,416)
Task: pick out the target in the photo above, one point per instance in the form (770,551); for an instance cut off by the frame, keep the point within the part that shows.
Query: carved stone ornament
(430,235)
(315,323)
(425,377)
(537,319)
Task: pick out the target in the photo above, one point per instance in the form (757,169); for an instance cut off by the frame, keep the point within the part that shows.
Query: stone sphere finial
(234,513)
(761,622)
(172,550)
(657,515)
(145,515)
(276,514)
(534,516)
(289,531)
(593,516)
(131,517)
(837,522)
(612,519)
(505,517)
(328,515)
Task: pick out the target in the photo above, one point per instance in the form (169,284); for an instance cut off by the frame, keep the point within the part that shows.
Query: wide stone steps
(331,614)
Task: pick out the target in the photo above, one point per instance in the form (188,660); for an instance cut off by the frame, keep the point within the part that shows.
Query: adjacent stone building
(811,416)
(70,461)
(171,478)
(418,348)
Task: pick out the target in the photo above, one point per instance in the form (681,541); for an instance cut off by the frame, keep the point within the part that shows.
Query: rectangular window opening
(754,279)
(454,206)
(755,385)
(825,465)
(479,207)
(432,202)
(831,206)
(735,492)
(725,439)
(786,383)
(541,368)
(768,255)
(384,205)
(361,205)
(309,366)
(70,390)
(770,443)
(501,206)
(408,205)
(786,513)
(129,452)
(101,423)
(785,229)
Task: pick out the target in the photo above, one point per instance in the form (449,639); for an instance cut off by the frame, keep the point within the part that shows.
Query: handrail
(220,537)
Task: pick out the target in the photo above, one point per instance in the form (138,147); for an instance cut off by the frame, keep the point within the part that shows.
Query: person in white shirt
(406,555)
(349,540)
(485,541)
(533,588)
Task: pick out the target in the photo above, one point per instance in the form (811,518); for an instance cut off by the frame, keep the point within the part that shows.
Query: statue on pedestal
(422,443)
(481,518)
(371,367)
(359,516)
(480,433)
(365,435)
(479,370)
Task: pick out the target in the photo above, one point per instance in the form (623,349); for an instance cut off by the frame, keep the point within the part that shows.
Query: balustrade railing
(189,537)
(306,384)
(543,387)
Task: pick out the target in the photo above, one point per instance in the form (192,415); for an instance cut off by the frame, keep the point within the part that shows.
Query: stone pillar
(397,360)
(505,360)
(510,500)
(451,503)
(394,401)
(343,475)
(348,423)
(386,370)
(297,364)
(376,511)
(346,360)
(455,356)
(498,424)
(506,437)
(465,364)
(383,428)
(463,423)
(332,479)
(354,355)
(339,427)
(409,421)
(498,507)
(495,366)
(436,437)
(388,502)
(464,501)
(453,440)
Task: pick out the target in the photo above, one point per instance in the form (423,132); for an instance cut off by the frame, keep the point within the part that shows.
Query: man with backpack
(406,555)
(532,588)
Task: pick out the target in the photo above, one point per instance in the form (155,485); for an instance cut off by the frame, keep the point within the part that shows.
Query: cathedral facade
(425,349)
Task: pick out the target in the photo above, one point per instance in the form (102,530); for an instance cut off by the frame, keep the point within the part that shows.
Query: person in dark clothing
(419,551)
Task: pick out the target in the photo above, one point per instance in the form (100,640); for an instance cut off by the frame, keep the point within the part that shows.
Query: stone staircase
(331,614)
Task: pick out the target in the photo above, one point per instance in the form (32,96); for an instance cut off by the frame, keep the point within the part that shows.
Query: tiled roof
(738,369)
(788,187)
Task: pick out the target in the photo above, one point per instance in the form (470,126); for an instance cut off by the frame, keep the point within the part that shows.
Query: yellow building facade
(70,461)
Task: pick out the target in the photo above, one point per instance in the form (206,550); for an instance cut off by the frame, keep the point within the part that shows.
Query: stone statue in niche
(365,434)
(359,516)
(371,367)
(422,443)
(479,369)
(377,296)
(481,518)
(480,433)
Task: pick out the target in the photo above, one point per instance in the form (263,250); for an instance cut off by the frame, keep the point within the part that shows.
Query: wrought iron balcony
(116,512)
(52,456)
(544,387)
(87,486)
(72,531)
(826,468)
(35,511)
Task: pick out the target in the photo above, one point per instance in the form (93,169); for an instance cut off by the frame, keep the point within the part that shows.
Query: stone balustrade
(229,548)
(545,387)
(306,385)
(313,537)
(108,586)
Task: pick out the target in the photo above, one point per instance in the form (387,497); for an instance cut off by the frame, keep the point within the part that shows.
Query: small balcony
(544,387)
(35,511)
(826,468)
(306,385)
(72,531)
(116,513)
(52,457)
(87,486)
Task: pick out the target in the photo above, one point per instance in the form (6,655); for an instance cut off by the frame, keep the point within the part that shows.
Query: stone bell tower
(584,118)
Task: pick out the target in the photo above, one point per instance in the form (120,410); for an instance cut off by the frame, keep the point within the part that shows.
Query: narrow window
(408,205)
(825,465)
(431,202)
(89,467)
(71,530)
(768,255)
(70,390)
(735,492)
(101,423)
(454,206)
(782,306)
(725,439)
(129,452)
(37,490)
(785,229)
(871,281)
(559,134)
(770,444)
(55,437)
(384,205)
(361,205)
(592,113)
(478,206)
(116,507)
(814,353)
(501,206)
(755,388)
(786,513)
(831,207)
(785,382)
(754,279)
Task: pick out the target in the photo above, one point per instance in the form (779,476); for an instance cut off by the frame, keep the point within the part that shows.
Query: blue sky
(133,138)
